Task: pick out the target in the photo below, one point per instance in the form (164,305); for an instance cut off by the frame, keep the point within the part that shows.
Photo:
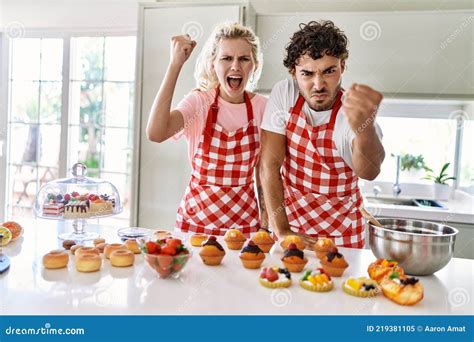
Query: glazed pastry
(334,263)
(212,252)
(55,259)
(264,240)
(316,280)
(251,256)
(67,244)
(15,228)
(109,248)
(197,239)
(294,259)
(383,268)
(292,239)
(6,236)
(401,289)
(122,258)
(274,277)
(88,263)
(132,246)
(361,287)
(322,247)
(234,239)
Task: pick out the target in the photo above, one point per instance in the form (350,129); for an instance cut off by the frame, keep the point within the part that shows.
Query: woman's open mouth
(234,82)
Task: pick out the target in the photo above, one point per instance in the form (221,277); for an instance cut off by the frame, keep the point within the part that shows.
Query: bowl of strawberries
(166,256)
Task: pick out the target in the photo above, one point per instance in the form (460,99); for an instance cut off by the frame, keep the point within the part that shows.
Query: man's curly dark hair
(316,39)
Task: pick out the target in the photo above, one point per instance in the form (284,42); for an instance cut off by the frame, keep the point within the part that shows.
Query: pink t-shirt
(231,116)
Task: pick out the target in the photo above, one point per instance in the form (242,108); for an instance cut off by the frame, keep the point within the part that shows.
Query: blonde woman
(220,122)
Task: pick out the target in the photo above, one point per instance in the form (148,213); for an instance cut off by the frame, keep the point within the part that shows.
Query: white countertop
(229,289)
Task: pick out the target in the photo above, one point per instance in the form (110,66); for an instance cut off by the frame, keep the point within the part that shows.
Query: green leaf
(394,275)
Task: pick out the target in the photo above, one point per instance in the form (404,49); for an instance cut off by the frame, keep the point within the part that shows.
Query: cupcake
(263,239)
(382,268)
(234,239)
(322,247)
(212,252)
(401,289)
(197,239)
(292,239)
(251,256)
(294,258)
(334,263)
(274,277)
(316,280)
(361,287)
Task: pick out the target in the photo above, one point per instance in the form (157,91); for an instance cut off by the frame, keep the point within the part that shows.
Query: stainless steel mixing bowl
(421,247)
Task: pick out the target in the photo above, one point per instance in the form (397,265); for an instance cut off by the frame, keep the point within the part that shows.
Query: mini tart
(7,236)
(251,256)
(382,268)
(197,239)
(294,259)
(15,228)
(212,252)
(361,287)
(292,239)
(334,263)
(234,239)
(274,277)
(322,247)
(401,289)
(98,241)
(111,247)
(160,234)
(132,246)
(263,240)
(316,280)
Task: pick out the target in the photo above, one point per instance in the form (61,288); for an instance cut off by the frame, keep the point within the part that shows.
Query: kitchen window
(70,100)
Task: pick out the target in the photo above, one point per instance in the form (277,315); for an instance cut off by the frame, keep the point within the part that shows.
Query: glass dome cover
(77,198)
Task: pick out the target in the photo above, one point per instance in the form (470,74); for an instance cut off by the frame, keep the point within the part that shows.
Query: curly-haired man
(317,140)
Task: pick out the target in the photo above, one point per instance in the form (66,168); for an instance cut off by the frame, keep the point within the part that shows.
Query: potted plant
(413,166)
(441,187)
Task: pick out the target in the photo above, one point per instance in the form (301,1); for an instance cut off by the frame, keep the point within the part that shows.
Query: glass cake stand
(77,199)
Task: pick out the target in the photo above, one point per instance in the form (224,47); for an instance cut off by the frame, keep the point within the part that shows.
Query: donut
(121,258)
(98,241)
(55,259)
(101,247)
(132,246)
(197,239)
(113,247)
(75,248)
(67,244)
(88,262)
(15,228)
(86,250)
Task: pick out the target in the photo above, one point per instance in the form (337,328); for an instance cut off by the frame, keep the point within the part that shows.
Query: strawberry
(165,261)
(151,247)
(169,250)
(175,243)
(263,273)
(67,197)
(271,274)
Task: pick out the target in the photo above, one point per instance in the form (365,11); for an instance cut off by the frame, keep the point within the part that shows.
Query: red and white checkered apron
(321,191)
(220,195)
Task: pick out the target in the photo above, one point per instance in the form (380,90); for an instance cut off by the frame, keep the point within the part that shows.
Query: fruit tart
(381,268)
(294,258)
(212,252)
(274,277)
(334,263)
(251,256)
(401,289)
(361,287)
(316,280)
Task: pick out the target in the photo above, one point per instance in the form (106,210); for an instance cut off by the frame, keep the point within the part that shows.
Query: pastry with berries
(401,289)
(212,252)
(294,258)
(382,268)
(361,287)
(289,239)
(316,280)
(275,277)
(334,263)
(251,256)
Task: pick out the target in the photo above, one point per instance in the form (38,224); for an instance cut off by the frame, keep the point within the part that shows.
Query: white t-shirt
(277,112)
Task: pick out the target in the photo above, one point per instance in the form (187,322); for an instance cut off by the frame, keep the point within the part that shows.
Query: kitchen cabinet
(163,170)
(403,54)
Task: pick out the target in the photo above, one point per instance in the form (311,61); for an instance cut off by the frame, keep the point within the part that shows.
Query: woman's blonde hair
(206,78)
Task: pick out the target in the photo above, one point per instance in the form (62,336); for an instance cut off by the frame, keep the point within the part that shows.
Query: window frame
(5,106)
